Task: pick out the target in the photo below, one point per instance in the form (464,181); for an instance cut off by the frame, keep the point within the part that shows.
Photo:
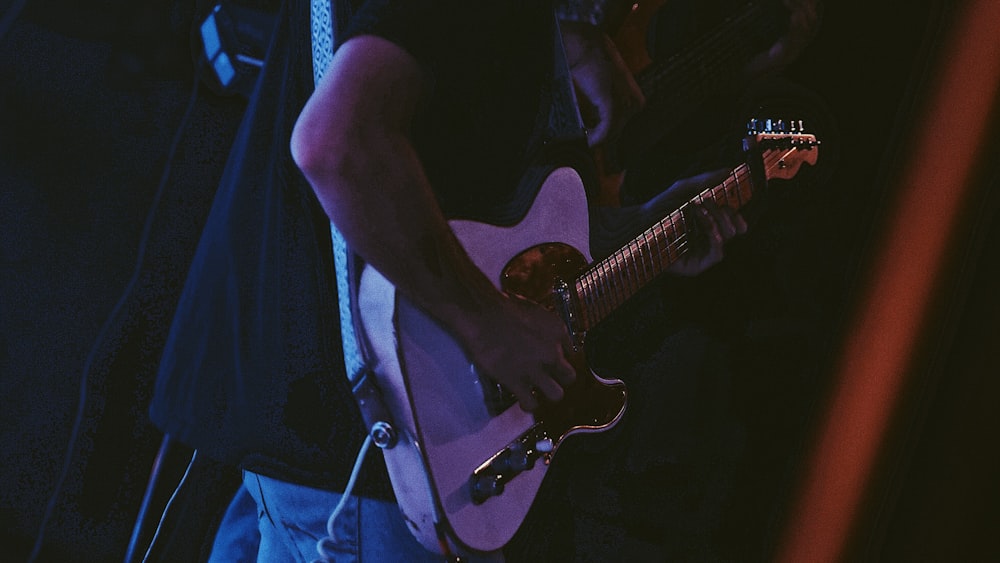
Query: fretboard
(607,284)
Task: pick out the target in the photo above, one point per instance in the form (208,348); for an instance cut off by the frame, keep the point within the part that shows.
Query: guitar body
(451,422)
(467,462)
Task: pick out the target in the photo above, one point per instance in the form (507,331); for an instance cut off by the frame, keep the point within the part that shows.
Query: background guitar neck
(678,84)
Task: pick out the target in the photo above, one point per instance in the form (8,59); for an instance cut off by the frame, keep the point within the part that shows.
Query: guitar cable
(166,508)
(115,312)
(328,555)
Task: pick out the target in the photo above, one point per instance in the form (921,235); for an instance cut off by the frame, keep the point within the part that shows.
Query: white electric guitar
(466,462)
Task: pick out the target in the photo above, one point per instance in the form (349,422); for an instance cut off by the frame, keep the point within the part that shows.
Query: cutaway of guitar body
(456,446)
(468,462)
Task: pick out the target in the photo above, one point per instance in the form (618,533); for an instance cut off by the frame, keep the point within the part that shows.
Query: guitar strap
(327,19)
(564,126)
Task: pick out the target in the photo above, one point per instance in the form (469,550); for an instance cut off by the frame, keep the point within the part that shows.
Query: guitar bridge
(489,479)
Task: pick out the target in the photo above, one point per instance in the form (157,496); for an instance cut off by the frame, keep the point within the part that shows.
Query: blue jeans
(275,521)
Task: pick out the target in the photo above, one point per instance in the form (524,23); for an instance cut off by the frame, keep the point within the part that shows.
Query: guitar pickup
(490,478)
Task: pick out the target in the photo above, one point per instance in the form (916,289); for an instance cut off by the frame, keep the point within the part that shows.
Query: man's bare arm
(352,143)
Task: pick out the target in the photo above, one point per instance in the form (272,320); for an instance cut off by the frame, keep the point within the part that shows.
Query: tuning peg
(752,126)
(780,126)
(768,126)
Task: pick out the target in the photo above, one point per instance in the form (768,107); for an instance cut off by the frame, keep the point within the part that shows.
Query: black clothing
(494,91)
(253,373)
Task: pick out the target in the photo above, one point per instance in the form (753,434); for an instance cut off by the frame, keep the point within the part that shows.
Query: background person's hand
(608,93)
(804,18)
(521,346)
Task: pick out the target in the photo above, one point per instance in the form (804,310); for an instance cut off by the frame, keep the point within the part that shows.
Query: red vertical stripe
(893,308)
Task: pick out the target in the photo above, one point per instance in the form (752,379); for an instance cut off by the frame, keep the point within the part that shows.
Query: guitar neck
(678,85)
(609,283)
(714,61)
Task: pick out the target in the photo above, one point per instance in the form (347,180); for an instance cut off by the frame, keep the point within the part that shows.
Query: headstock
(783,147)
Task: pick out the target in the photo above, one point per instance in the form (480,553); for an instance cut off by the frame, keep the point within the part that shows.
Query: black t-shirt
(491,70)
(252,372)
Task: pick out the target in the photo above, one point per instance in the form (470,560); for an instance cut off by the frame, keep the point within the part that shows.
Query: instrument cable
(116,311)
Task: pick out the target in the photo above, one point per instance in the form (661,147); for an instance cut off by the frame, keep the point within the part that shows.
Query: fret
(592,297)
(729,48)
(718,195)
(585,297)
(597,303)
(600,297)
(666,238)
(732,195)
(677,232)
(655,252)
(742,172)
(613,281)
(625,285)
(644,258)
(640,255)
(624,282)
(739,189)
(657,239)
(597,299)
(607,283)
(639,263)
(592,300)
(633,260)
(585,292)
(625,267)
(654,258)
(610,282)
(666,226)
(608,287)
(625,270)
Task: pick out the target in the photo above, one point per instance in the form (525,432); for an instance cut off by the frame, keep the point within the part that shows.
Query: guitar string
(721,54)
(753,18)
(596,284)
(651,79)
(687,90)
(600,276)
(678,244)
(618,262)
(655,72)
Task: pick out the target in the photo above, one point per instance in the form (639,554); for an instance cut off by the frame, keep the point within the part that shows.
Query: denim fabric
(238,537)
(275,521)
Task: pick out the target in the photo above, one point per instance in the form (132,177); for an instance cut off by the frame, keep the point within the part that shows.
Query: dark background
(91,97)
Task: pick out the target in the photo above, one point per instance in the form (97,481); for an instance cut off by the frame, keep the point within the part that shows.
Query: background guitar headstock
(783,146)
